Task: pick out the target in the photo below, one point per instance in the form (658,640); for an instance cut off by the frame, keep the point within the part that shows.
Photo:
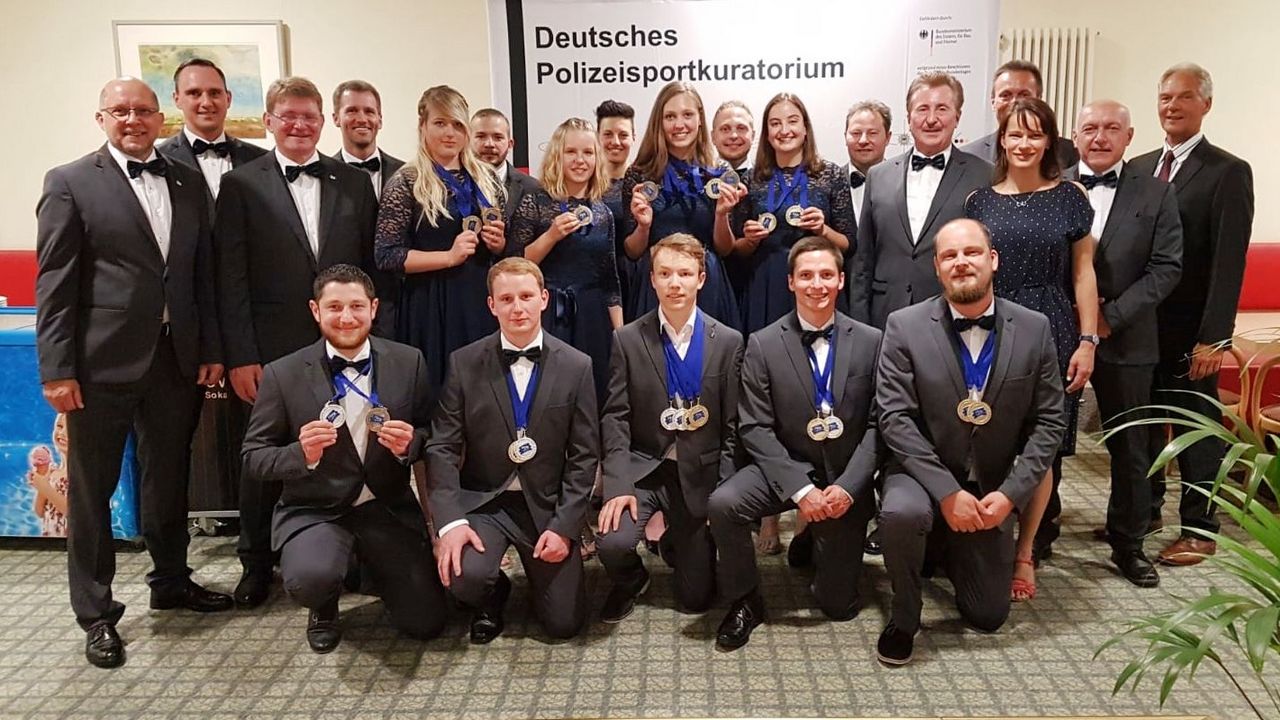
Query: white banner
(554,59)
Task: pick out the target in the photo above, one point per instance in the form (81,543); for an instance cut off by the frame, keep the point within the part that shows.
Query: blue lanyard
(520,407)
(675,186)
(684,376)
(464,192)
(780,189)
(342,384)
(975,371)
(822,393)
(564,208)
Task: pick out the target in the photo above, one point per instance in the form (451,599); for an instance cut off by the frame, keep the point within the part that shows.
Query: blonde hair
(684,244)
(552,174)
(428,189)
(653,156)
(293,86)
(515,266)
(935,79)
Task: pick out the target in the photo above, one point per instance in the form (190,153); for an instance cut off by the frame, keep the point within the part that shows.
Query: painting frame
(252,53)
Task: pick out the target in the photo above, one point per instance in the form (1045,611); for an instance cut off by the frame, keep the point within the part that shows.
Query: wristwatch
(1091,338)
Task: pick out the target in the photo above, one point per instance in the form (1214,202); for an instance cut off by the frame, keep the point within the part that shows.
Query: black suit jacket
(631,432)
(467,452)
(517,185)
(294,389)
(1138,261)
(265,262)
(1215,203)
(102,285)
(777,403)
(390,165)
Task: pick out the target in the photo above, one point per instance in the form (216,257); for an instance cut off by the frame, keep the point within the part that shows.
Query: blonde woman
(434,230)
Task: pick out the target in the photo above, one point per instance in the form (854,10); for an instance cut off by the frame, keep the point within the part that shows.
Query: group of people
(697,333)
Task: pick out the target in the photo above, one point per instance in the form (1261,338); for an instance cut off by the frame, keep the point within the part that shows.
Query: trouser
(1199,463)
(258,500)
(1120,390)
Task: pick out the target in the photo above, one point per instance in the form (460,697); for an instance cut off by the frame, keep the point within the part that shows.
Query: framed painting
(251,54)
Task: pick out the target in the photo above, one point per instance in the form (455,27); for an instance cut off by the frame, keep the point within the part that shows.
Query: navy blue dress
(766,296)
(438,311)
(581,277)
(1033,232)
(619,205)
(673,214)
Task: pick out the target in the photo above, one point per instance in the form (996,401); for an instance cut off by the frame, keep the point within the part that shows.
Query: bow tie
(155,167)
(337,364)
(856,179)
(920,162)
(534,354)
(1092,181)
(221,149)
(809,337)
(373,164)
(986,322)
(292,172)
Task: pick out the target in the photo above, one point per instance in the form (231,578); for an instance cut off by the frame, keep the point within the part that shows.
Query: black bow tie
(221,149)
(856,179)
(337,364)
(986,322)
(373,164)
(920,162)
(292,172)
(1092,181)
(510,356)
(809,337)
(155,167)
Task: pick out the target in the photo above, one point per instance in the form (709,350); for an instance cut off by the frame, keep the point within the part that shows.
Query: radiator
(1065,59)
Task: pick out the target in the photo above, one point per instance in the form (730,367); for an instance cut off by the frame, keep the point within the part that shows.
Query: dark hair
(342,273)
(767,158)
(1024,109)
(614,108)
(1020,66)
(198,62)
(872,106)
(813,243)
(491,113)
(354,86)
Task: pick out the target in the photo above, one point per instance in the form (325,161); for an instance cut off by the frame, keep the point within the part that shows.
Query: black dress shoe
(873,546)
(103,646)
(800,551)
(1136,568)
(744,616)
(487,622)
(324,631)
(895,647)
(192,597)
(621,600)
(254,587)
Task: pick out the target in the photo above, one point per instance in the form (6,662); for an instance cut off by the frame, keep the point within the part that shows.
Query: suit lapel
(1005,335)
(1191,165)
(950,179)
(547,378)
(789,336)
(945,345)
(709,348)
(900,192)
(278,190)
(321,384)
(653,348)
(119,183)
(844,356)
(186,151)
(329,193)
(1127,189)
(497,375)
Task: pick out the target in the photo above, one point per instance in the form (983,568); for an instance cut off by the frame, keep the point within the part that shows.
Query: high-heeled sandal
(1023,590)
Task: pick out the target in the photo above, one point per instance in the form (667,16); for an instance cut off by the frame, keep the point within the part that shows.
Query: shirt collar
(508,345)
(192,137)
(501,171)
(123,160)
(285,162)
(331,351)
(991,310)
(1181,149)
(946,154)
(1085,170)
(667,326)
(804,325)
(349,158)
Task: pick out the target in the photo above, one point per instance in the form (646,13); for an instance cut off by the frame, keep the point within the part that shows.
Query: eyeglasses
(123,113)
(291,119)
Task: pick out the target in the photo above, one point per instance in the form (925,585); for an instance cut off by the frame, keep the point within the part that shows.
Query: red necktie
(1166,166)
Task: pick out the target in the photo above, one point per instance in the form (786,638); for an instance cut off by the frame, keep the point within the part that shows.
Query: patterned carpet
(658,663)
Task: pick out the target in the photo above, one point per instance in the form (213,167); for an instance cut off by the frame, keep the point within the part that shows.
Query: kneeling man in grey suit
(971,408)
(339,423)
(807,422)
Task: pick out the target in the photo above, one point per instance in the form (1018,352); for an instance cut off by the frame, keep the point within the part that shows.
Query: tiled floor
(658,663)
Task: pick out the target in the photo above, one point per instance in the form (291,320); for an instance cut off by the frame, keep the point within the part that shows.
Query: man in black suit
(357,112)
(280,220)
(1215,202)
(1138,261)
(200,92)
(907,199)
(126,333)
(971,407)
(868,128)
(1016,79)
(657,456)
(313,427)
(512,458)
(491,140)
(807,421)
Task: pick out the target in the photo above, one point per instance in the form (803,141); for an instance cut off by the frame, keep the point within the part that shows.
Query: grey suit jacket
(633,438)
(102,285)
(1138,261)
(985,148)
(921,383)
(390,164)
(294,388)
(517,185)
(777,403)
(889,270)
(467,453)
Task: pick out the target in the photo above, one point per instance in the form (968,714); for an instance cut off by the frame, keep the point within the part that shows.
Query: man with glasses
(280,220)
(126,333)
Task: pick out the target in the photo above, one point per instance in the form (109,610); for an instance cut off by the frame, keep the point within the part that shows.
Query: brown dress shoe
(1187,551)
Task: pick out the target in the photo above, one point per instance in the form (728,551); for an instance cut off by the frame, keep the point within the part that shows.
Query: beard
(965,294)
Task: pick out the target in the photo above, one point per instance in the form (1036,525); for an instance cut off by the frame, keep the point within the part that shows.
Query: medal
(712,188)
(793,215)
(466,196)
(835,428)
(731,177)
(979,412)
(817,429)
(333,414)
(522,449)
(972,409)
(670,419)
(962,409)
(490,215)
(767,221)
(471,223)
(697,416)
(824,426)
(376,418)
(650,190)
(684,380)
(583,214)
(780,190)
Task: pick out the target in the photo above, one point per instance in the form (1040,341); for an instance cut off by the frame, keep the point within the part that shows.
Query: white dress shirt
(820,349)
(306,198)
(152,192)
(856,194)
(1180,153)
(922,185)
(501,170)
(374,175)
(355,408)
(211,166)
(1101,197)
(680,339)
(974,338)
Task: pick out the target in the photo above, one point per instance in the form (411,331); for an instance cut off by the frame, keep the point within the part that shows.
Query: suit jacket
(985,148)
(631,433)
(265,262)
(1138,261)
(390,165)
(178,149)
(921,382)
(517,185)
(467,453)
(777,403)
(1215,203)
(293,390)
(102,285)
(891,271)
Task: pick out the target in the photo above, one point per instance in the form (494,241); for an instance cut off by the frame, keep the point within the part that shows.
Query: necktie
(919,162)
(856,179)
(155,167)
(373,164)
(986,322)
(809,337)
(1092,181)
(337,364)
(1166,166)
(292,172)
(221,149)
(510,356)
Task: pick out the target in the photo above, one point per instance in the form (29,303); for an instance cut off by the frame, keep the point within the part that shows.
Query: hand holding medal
(642,199)
(464,246)
(317,435)
(494,235)
(394,435)
(564,225)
